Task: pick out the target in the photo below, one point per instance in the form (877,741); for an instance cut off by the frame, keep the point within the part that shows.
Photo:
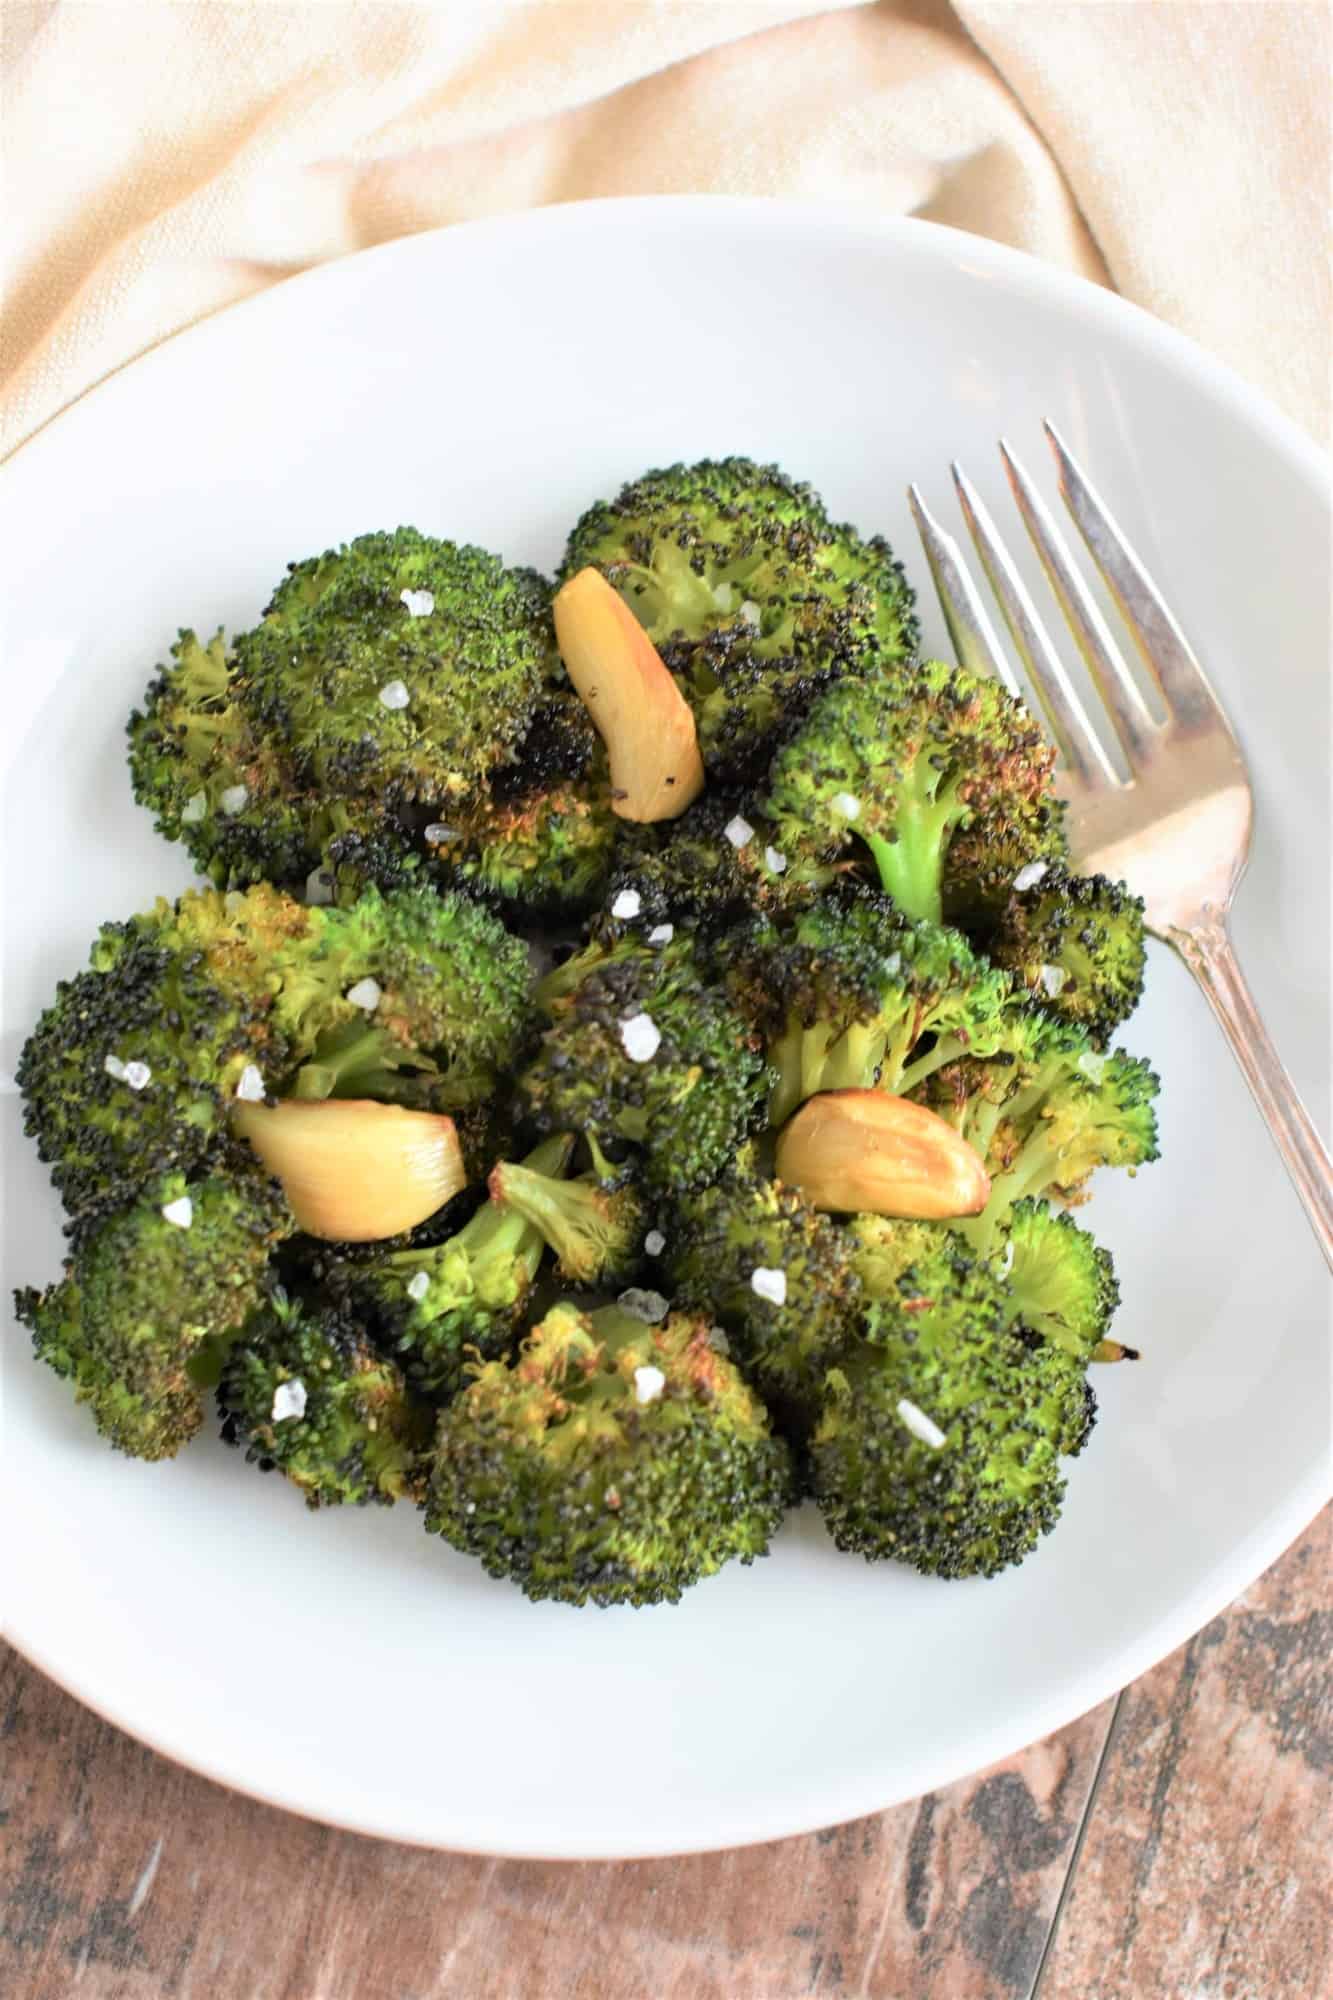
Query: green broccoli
(642,1053)
(613,1462)
(753,597)
(307,1395)
(1061,1282)
(386,682)
(596,1233)
(149,1295)
(989,851)
(899,763)
(941,1432)
(435,1305)
(709,870)
(1076,943)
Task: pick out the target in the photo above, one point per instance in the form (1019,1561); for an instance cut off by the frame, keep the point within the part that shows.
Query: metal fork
(1177,830)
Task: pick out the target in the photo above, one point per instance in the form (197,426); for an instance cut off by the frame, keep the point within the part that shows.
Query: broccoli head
(1062,1283)
(307,1395)
(612,1462)
(149,1296)
(1076,943)
(754,598)
(990,850)
(643,1054)
(596,1233)
(897,764)
(709,869)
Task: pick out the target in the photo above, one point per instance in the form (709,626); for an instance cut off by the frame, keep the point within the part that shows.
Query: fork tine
(1078,741)
(1165,649)
(976,643)
(1134,722)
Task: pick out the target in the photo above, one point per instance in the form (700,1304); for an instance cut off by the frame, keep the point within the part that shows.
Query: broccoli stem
(809,1060)
(911,865)
(574,1217)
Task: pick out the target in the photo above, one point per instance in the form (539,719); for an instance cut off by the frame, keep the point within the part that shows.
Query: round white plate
(485,383)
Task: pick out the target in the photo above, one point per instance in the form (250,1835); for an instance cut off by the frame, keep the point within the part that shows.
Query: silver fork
(1178,828)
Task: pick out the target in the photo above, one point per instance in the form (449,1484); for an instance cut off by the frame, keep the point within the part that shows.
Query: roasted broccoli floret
(1076,943)
(437,1306)
(846,992)
(988,853)
(897,764)
(642,1054)
(612,1462)
(1062,1283)
(780,1277)
(596,1232)
(307,1395)
(753,597)
(386,682)
(149,1296)
(709,869)
(941,1432)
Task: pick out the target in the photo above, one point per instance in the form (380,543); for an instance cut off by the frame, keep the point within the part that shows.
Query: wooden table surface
(1172,1845)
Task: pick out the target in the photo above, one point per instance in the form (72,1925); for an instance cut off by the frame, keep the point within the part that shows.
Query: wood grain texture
(123,1877)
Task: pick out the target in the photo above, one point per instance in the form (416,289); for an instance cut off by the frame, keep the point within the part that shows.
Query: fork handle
(1208,954)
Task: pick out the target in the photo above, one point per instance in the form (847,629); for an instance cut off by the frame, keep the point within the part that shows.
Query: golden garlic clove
(864,1152)
(640,713)
(354,1171)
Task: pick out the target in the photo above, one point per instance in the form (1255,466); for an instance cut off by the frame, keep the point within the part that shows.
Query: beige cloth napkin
(163,160)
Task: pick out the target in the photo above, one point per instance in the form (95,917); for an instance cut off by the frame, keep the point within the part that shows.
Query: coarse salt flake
(1092,1065)
(289,1400)
(844,803)
(641,1037)
(194,809)
(775,860)
(250,1085)
(319,887)
(770,1285)
(366,993)
(649,1383)
(661,933)
(1029,875)
(738,831)
(180,1212)
(138,1075)
(750,612)
(650,1307)
(420,603)
(437,833)
(234,798)
(627,904)
(418,1286)
(920,1425)
(1053,979)
(115,1067)
(654,1243)
(394,694)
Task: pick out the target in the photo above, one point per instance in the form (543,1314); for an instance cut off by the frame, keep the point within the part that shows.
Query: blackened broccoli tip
(644,1058)
(894,764)
(305,1393)
(147,1293)
(709,870)
(612,1462)
(755,599)
(1076,943)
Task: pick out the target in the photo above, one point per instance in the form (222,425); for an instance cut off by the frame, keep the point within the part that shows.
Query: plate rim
(1267,1538)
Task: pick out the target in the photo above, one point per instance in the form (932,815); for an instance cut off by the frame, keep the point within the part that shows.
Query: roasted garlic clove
(865,1152)
(354,1171)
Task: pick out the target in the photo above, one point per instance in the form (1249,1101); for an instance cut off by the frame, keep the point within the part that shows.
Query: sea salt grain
(289,1400)
(234,798)
(654,1243)
(750,613)
(180,1212)
(1029,876)
(650,1307)
(394,694)
(775,861)
(1053,979)
(661,933)
(738,831)
(627,904)
(437,833)
(194,809)
(844,803)
(641,1037)
(318,887)
(138,1075)
(770,1285)
(115,1067)
(250,1086)
(648,1384)
(366,993)
(920,1425)
(420,603)
(418,1286)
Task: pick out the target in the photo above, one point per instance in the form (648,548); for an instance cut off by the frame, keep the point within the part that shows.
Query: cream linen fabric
(163,160)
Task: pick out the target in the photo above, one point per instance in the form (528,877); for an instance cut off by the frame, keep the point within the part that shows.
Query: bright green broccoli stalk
(643,1057)
(307,1396)
(899,763)
(612,1462)
(149,1297)
(940,1436)
(1062,1283)
(850,995)
(779,1276)
(753,596)
(1076,943)
(596,1232)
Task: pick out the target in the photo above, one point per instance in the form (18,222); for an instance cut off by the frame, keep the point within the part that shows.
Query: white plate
(485,383)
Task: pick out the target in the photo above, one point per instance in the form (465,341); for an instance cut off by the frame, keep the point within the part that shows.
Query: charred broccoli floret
(612,1462)
(1076,943)
(307,1395)
(1062,1283)
(596,1232)
(897,764)
(642,1054)
(990,851)
(148,1296)
(940,1435)
(386,681)
(710,869)
(752,596)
